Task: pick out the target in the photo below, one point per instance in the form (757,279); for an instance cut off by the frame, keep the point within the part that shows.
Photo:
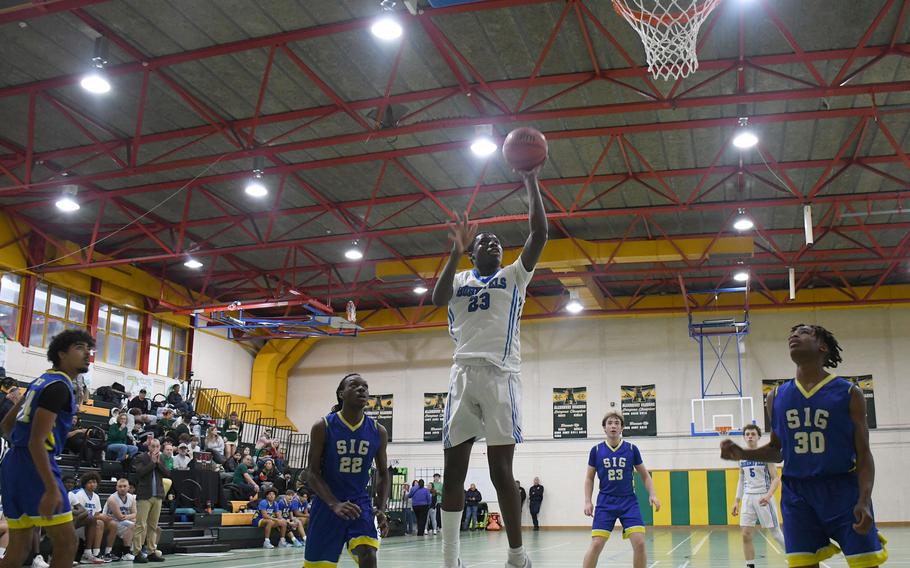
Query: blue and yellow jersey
(62,425)
(347,456)
(815,428)
(614,467)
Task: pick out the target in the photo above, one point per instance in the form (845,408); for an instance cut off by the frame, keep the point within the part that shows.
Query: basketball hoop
(723,430)
(669,32)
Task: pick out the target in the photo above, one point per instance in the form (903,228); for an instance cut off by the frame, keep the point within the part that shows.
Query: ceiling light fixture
(574,306)
(419,290)
(255,186)
(386,27)
(483,144)
(95,81)
(193,263)
(743,222)
(353,253)
(67,202)
(741,276)
(744,137)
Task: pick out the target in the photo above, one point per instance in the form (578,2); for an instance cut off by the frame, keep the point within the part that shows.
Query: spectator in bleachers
(141,402)
(150,473)
(121,506)
(120,439)
(288,504)
(130,419)
(69,483)
(175,399)
(243,476)
(232,462)
(271,451)
(183,458)
(268,517)
(78,442)
(214,444)
(302,513)
(265,439)
(180,429)
(168,455)
(269,474)
(232,430)
(97,525)
(194,445)
(472,499)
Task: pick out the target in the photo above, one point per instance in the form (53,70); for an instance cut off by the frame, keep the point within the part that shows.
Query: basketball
(525,148)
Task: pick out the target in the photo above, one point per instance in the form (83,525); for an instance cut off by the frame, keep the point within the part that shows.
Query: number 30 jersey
(484,315)
(614,467)
(814,428)
(348,454)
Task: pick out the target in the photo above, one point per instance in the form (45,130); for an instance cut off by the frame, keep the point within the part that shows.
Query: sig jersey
(820,487)
(616,497)
(484,315)
(754,483)
(20,483)
(347,455)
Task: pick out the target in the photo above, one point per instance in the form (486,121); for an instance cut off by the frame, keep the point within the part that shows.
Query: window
(55,310)
(167,354)
(117,341)
(10,302)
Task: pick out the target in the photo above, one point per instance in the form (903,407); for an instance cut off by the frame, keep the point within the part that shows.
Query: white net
(669,32)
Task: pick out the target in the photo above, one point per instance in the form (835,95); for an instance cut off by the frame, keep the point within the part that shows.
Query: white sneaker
(127,557)
(526,564)
(283,544)
(267,544)
(39,562)
(89,558)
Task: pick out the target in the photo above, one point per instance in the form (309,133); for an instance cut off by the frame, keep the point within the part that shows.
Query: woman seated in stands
(195,448)
(270,474)
(271,452)
(120,440)
(231,430)
(215,444)
(265,439)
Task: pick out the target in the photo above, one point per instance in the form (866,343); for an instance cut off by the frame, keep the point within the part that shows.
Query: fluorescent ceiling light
(95,82)
(192,263)
(483,147)
(741,276)
(386,28)
(420,290)
(67,204)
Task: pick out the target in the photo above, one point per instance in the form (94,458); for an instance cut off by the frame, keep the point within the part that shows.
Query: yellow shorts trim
(632,530)
(798,559)
(601,533)
(26,522)
(319,564)
(869,559)
(361,541)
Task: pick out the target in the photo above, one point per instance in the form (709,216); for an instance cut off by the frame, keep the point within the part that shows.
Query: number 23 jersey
(614,467)
(348,454)
(484,315)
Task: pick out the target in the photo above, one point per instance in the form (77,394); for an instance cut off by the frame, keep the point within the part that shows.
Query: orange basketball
(525,148)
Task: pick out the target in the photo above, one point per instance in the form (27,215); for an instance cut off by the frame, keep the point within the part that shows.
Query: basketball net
(724,430)
(669,32)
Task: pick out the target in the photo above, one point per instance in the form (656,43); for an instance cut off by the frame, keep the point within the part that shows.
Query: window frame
(104,327)
(174,353)
(13,333)
(48,316)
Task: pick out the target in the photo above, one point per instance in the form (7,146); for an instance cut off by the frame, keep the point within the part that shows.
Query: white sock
(778,536)
(96,551)
(517,556)
(451,522)
(107,549)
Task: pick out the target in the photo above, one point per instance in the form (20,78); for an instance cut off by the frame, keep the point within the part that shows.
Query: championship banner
(639,410)
(864,382)
(767,386)
(379,407)
(434,411)
(570,412)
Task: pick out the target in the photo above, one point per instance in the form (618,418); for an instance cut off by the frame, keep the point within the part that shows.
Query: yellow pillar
(269,382)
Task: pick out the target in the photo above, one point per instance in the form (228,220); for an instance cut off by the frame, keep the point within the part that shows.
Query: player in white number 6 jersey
(755,497)
(484,308)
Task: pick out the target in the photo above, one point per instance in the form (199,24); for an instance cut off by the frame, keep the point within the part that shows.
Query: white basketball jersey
(125,507)
(484,315)
(756,477)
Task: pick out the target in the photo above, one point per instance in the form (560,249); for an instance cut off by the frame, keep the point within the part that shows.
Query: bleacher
(186,525)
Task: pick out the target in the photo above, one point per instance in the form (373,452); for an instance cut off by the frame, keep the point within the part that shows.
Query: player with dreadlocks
(819,431)
(343,445)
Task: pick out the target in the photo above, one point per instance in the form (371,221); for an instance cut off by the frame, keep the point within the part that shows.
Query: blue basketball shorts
(611,507)
(817,511)
(22,489)
(329,533)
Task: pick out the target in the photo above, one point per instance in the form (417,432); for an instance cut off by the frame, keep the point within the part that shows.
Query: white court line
(684,565)
(655,564)
(680,544)
(700,544)
(768,540)
(529,551)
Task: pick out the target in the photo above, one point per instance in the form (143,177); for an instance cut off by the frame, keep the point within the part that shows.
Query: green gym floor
(667,547)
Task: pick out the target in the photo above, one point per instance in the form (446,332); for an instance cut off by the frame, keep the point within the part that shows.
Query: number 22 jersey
(348,454)
(484,315)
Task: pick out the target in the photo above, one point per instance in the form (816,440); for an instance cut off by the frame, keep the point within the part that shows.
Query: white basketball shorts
(484,403)
(752,512)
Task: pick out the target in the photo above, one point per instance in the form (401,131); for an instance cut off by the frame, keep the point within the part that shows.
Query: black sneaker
(107,558)
(140,558)
(156,558)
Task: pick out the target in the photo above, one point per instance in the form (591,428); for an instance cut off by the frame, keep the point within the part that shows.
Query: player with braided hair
(819,431)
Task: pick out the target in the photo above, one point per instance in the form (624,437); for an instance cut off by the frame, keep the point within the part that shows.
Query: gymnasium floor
(667,547)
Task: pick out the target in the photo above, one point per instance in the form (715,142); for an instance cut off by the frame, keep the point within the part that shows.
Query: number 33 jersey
(614,467)
(348,454)
(484,315)
(814,428)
